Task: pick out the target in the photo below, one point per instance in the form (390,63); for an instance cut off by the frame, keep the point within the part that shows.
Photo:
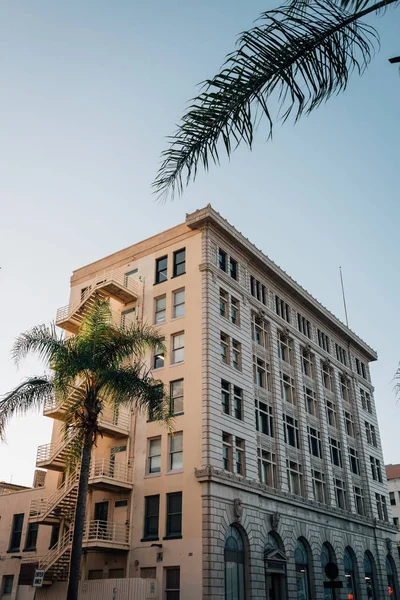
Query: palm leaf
(299,57)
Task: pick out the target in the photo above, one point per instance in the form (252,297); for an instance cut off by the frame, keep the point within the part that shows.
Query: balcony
(106,474)
(53,456)
(106,535)
(108,284)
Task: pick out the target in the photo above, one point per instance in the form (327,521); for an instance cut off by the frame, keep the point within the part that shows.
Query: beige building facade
(275,466)
(393,479)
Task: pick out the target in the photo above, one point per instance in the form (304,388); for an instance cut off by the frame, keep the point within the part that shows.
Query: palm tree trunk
(80,514)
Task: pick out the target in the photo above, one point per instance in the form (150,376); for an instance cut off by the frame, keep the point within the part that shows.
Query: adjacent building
(393,479)
(275,467)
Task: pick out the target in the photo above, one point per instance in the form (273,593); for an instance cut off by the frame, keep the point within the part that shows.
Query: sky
(89,91)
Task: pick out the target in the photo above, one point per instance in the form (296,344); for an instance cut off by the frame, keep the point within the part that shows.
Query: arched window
(350,574)
(302,571)
(391,578)
(234,565)
(369,573)
(327,555)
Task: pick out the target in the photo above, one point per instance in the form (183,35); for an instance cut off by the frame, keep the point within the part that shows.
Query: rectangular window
(349,423)
(159,357)
(31,536)
(340,493)
(392,499)
(396,522)
(381,507)
(345,388)
(285,348)
(354,461)
(291,431)
(258,290)
(282,309)
(331,414)
(314,442)
(336,452)
(179,262)
(319,487)
(359,500)
(155,408)
(267,468)
(225,397)
(8,581)
(224,348)
(172,583)
(235,311)
(222,260)
(176,451)
(154,461)
(376,469)
(295,477)
(238,402)
(239,456)
(323,340)
(304,325)
(161,269)
(179,304)
(260,332)
(148,573)
(223,303)
(151,517)
(264,418)
(287,388)
(371,434)
(341,354)
(176,397)
(233,268)
(310,401)
(128,317)
(227,451)
(327,376)
(15,540)
(178,348)
(160,309)
(236,355)
(307,365)
(361,368)
(366,400)
(174,515)
(261,373)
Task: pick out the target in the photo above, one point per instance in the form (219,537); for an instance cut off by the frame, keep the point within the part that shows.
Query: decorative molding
(237,510)
(275,518)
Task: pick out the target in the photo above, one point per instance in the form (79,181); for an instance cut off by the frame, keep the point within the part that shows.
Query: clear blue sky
(90,89)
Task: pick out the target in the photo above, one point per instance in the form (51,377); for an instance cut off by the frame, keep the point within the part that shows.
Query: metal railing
(118,417)
(48,452)
(104,467)
(55,551)
(106,531)
(43,506)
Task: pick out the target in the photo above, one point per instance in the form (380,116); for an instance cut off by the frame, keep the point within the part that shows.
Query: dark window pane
(161,269)
(179,262)
(152,507)
(174,514)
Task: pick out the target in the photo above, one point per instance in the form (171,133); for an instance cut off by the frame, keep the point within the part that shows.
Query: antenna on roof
(344,297)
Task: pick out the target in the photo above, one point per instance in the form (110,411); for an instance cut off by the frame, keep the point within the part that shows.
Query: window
(148,573)
(258,290)
(366,400)
(396,522)
(369,575)
(291,431)
(179,262)
(392,499)
(55,534)
(236,355)
(340,493)
(331,413)
(128,317)
(323,340)
(361,368)
(319,486)
(349,423)
(359,500)
(116,573)
(287,388)
(154,463)
(15,540)
(178,348)
(350,571)
(261,373)
(381,507)
(224,344)
(310,401)
(238,402)
(314,442)
(282,309)
(172,583)
(354,461)
(151,517)
(285,348)
(223,303)
(176,451)
(174,515)
(327,380)
(376,469)
(179,304)
(267,467)
(260,332)
(8,581)
(160,309)
(120,503)
(31,536)
(222,260)
(341,354)
(307,365)
(95,574)
(158,358)
(302,571)
(345,388)
(233,268)
(304,325)
(371,434)
(161,269)
(227,451)
(239,456)
(156,403)
(336,452)
(235,583)
(176,397)
(233,458)
(225,397)
(264,418)
(295,477)
(235,311)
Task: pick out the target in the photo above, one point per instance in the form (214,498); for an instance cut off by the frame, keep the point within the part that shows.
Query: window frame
(159,275)
(13,547)
(176,265)
(169,534)
(175,305)
(177,349)
(150,456)
(172,452)
(174,397)
(162,310)
(146,528)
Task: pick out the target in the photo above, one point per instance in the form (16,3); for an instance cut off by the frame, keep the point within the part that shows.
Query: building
(275,467)
(393,479)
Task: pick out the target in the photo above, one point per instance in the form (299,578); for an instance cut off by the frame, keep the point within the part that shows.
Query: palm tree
(297,57)
(102,365)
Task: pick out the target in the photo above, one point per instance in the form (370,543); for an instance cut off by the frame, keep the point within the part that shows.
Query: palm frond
(127,342)
(42,340)
(299,57)
(31,394)
(95,327)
